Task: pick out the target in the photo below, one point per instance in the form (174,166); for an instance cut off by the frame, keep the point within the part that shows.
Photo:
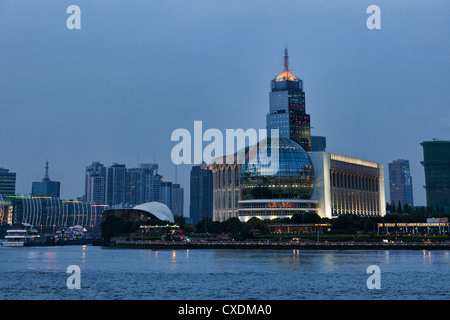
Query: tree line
(344,224)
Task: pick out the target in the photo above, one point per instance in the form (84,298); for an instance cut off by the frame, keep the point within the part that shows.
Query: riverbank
(122,244)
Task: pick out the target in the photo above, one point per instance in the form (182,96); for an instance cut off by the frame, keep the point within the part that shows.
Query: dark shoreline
(281,245)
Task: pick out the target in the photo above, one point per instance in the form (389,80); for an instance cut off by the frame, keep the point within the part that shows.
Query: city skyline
(102,92)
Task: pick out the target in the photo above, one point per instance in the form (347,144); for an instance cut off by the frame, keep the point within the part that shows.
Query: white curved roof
(158,209)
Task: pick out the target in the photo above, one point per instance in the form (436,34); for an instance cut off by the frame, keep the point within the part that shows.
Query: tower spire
(286,59)
(46,178)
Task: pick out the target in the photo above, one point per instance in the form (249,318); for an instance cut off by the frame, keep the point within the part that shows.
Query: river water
(40,273)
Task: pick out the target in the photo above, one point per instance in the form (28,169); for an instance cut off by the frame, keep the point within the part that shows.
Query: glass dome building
(276,181)
(290,176)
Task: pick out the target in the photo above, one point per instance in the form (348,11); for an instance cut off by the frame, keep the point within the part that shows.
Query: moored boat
(72,236)
(20,235)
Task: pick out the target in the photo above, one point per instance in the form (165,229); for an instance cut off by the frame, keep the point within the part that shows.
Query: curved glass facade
(293,180)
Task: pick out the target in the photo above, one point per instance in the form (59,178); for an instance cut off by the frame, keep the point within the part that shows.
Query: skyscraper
(115,184)
(436,162)
(400,182)
(201,204)
(166,194)
(7,183)
(95,183)
(46,188)
(177,200)
(287,107)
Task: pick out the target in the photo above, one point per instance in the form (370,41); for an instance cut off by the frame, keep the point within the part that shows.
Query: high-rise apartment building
(287,108)
(120,186)
(95,183)
(400,182)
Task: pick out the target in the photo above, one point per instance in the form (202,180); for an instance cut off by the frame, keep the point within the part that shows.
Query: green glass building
(436,162)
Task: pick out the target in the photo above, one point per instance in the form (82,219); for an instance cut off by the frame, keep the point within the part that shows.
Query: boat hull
(13,244)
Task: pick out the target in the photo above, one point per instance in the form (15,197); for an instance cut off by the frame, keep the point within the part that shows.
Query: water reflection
(37,259)
(225,274)
(83,254)
(426,257)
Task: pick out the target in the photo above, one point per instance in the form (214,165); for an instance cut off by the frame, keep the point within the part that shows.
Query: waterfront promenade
(348,245)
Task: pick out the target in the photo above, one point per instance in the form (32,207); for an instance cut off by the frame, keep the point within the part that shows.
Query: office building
(177,200)
(287,108)
(318,144)
(400,183)
(436,163)
(305,181)
(116,184)
(201,197)
(166,194)
(7,183)
(46,188)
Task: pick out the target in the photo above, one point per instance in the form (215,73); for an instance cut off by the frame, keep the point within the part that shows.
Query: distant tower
(46,188)
(400,182)
(287,107)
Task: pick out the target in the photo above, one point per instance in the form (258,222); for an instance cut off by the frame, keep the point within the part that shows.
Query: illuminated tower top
(287,107)
(286,75)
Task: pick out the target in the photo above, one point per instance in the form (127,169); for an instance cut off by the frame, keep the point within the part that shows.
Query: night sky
(115,90)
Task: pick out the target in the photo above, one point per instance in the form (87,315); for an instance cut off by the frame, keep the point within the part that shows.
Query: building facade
(347,185)
(226,190)
(436,163)
(400,183)
(53,213)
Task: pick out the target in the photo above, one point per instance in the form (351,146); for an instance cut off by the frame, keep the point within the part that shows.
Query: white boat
(21,234)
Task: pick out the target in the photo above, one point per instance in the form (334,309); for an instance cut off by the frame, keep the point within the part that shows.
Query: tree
(256,224)
(399,207)
(179,220)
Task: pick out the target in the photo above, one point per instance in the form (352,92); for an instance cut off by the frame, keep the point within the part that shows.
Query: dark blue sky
(137,70)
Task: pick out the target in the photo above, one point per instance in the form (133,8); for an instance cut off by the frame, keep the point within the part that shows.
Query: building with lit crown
(325,183)
(287,107)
